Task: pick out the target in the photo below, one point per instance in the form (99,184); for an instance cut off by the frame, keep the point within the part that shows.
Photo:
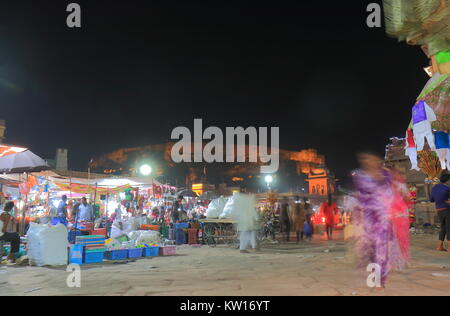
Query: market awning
(86,189)
(80,185)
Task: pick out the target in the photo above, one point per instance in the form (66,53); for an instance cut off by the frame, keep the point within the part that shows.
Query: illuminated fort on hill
(300,171)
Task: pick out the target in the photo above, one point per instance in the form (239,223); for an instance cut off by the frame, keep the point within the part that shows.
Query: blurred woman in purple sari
(381,215)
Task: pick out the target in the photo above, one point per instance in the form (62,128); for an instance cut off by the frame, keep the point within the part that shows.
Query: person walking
(285,222)
(328,210)
(379,213)
(440,196)
(308,230)
(298,219)
(247,222)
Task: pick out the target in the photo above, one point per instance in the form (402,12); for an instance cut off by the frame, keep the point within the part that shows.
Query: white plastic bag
(47,245)
(143,220)
(148,237)
(134,222)
(141,237)
(232,205)
(215,207)
(121,227)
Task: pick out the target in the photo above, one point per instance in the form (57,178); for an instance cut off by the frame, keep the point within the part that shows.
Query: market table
(215,231)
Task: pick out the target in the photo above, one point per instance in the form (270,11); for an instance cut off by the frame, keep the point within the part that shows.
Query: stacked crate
(94,247)
(180,233)
(99,231)
(192,236)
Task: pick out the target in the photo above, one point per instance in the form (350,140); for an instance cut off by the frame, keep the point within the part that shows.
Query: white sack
(141,237)
(47,245)
(121,227)
(215,207)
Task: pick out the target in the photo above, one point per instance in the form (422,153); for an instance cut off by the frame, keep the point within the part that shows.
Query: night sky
(137,69)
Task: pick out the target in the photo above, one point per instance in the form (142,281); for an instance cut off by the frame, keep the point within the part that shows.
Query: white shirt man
(86,212)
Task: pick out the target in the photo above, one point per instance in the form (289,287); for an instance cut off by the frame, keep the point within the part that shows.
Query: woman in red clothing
(328,210)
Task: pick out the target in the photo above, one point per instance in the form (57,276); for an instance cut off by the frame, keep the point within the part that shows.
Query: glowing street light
(145,170)
(268,180)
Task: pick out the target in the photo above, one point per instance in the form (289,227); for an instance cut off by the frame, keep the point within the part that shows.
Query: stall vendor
(183,216)
(86,212)
(162,214)
(155,213)
(175,210)
(12,238)
(75,209)
(118,213)
(61,213)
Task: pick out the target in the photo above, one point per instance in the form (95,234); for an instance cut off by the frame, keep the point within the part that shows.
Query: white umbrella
(24,161)
(187,193)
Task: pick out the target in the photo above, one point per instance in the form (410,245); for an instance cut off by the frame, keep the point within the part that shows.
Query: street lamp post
(145,170)
(268,180)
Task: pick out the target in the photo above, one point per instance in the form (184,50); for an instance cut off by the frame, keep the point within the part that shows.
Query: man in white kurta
(242,208)
(86,213)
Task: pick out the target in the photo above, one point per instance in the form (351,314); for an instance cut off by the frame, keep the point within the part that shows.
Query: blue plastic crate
(90,249)
(181,225)
(76,254)
(150,252)
(93,257)
(135,253)
(116,254)
(73,234)
(180,236)
(86,240)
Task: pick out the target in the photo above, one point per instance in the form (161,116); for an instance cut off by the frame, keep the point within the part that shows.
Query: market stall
(136,233)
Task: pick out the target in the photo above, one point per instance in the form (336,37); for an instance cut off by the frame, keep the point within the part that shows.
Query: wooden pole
(19,224)
(48,196)
(107,202)
(22,230)
(89,179)
(70,184)
(93,208)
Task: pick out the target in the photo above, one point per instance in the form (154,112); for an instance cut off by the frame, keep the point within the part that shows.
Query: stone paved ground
(317,268)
